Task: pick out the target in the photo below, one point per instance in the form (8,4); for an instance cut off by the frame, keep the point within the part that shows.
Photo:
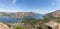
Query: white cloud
(14,1)
(40,11)
(20,10)
(7,10)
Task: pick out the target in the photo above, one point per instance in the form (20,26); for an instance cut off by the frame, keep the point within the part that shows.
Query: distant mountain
(55,14)
(37,16)
(21,14)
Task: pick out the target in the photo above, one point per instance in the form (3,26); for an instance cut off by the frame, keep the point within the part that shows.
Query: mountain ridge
(18,14)
(55,14)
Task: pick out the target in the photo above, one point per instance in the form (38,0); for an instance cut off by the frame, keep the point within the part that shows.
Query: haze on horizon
(39,6)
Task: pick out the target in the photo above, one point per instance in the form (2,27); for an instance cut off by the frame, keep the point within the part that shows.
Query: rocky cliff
(17,14)
(3,26)
(55,14)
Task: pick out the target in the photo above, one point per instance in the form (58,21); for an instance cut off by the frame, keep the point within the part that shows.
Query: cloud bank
(7,10)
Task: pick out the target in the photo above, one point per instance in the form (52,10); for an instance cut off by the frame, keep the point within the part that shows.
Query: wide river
(9,20)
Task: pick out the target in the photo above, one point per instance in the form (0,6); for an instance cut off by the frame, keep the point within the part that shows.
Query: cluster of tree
(31,21)
(36,22)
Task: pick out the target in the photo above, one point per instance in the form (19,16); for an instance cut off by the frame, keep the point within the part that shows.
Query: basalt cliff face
(55,14)
(17,14)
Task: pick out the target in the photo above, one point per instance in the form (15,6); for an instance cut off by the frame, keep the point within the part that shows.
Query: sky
(39,6)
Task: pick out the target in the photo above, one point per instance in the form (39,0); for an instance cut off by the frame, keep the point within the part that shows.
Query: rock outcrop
(17,14)
(3,26)
(55,14)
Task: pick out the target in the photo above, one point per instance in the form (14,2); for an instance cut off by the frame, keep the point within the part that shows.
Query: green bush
(18,27)
(43,27)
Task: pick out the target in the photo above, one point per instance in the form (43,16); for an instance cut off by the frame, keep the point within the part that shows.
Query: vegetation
(31,21)
(43,27)
(8,25)
(46,19)
(18,27)
(40,22)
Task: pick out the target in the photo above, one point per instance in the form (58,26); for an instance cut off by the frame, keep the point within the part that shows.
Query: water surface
(9,19)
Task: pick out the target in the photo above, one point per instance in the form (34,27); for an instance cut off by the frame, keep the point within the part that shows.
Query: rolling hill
(21,14)
(55,14)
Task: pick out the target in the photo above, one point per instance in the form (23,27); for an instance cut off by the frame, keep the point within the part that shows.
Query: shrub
(18,27)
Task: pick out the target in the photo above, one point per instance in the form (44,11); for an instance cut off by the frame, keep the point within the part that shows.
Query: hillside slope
(19,14)
(55,14)
(3,26)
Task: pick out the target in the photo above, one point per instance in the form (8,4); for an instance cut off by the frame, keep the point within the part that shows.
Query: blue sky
(39,6)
